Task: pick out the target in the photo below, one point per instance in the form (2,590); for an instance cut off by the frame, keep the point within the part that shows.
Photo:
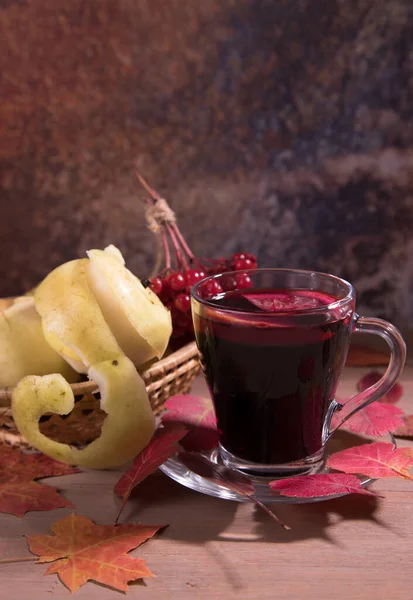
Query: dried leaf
(376,419)
(198,415)
(84,551)
(392,397)
(162,446)
(18,492)
(231,479)
(375,460)
(406,429)
(314,486)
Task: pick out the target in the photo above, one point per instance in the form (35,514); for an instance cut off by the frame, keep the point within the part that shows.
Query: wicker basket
(171,375)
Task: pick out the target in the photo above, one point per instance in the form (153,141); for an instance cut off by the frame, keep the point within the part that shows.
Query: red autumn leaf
(162,446)
(375,460)
(231,479)
(406,429)
(198,415)
(18,497)
(84,551)
(362,356)
(323,484)
(25,467)
(376,419)
(18,492)
(392,397)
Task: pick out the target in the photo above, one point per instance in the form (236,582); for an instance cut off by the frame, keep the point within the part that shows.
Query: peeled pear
(137,318)
(103,322)
(127,429)
(73,323)
(23,347)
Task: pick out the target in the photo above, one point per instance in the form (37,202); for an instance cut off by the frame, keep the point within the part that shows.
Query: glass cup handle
(343,412)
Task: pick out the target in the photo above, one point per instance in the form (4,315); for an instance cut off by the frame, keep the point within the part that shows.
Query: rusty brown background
(283,128)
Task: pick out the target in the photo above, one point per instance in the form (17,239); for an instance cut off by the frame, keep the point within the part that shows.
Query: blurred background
(282,128)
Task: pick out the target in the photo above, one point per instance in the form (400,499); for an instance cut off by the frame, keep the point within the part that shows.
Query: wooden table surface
(356,547)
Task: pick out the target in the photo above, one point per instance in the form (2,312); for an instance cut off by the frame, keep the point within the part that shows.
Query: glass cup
(272,355)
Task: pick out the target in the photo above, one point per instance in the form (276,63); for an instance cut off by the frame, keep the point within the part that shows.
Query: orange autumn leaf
(81,550)
(18,492)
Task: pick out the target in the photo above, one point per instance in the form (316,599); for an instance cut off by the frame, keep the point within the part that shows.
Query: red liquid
(271,382)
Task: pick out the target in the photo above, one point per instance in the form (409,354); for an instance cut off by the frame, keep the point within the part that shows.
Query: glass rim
(337,304)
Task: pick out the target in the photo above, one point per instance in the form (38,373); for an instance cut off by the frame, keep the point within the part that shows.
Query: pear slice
(73,323)
(137,318)
(23,347)
(127,429)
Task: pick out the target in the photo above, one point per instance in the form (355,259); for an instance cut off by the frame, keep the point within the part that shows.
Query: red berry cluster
(173,288)
(183,270)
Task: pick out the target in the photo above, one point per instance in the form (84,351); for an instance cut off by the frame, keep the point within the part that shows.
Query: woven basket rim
(155,371)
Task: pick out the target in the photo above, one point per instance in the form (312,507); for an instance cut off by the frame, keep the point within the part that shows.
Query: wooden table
(354,548)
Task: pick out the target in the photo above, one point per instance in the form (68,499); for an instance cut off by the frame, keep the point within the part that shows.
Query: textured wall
(284,128)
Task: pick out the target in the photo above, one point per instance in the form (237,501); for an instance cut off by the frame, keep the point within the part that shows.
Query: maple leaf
(18,492)
(322,484)
(406,429)
(376,419)
(18,497)
(392,397)
(377,460)
(232,479)
(198,415)
(25,467)
(162,446)
(83,551)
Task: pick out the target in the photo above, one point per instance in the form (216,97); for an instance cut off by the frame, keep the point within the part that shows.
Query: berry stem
(166,249)
(180,258)
(154,194)
(182,241)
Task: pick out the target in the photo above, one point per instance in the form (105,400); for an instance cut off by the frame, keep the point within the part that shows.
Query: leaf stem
(270,513)
(4,561)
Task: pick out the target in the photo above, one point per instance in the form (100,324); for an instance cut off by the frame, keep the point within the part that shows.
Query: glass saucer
(177,471)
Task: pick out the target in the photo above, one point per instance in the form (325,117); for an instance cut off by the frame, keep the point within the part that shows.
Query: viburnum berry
(228,283)
(243,281)
(182,269)
(183,302)
(192,277)
(176,282)
(242,264)
(156,285)
(210,288)
(238,256)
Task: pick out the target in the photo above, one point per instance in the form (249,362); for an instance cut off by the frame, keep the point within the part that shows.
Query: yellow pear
(23,347)
(127,429)
(137,318)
